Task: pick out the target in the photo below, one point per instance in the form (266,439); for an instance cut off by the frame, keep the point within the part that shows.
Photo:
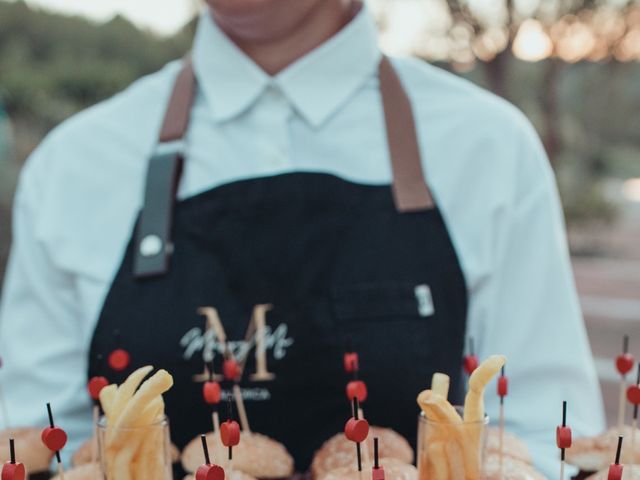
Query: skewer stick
(205,449)
(503,389)
(634,423)
(12,450)
(356,409)
(242,413)
(564,424)
(624,364)
(58,459)
(563,438)
(616,468)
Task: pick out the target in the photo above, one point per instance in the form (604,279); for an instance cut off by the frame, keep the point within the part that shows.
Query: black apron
(332,263)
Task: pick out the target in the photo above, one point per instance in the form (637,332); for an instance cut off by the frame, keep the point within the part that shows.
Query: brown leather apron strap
(410,190)
(176,119)
(154,247)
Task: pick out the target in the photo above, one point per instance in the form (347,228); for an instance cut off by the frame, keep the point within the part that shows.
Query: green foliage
(54,65)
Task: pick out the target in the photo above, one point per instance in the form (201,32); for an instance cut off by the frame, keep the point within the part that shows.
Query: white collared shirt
(80,192)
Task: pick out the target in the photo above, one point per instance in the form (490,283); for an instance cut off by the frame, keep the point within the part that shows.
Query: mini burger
(512,469)
(339,452)
(513,447)
(35,456)
(88,471)
(592,454)
(256,455)
(393,470)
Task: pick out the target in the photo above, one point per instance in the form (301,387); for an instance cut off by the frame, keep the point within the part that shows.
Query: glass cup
(137,452)
(447,450)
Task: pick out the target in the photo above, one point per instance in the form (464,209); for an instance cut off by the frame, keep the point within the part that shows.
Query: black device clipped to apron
(335,261)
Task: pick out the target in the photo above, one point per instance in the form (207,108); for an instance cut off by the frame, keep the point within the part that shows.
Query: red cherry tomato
(358,389)
(211,393)
(470,363)
(503,386)
(563,437)
(624,363)
(377,473)
(119,359)
(351,362)
(615,472)
(356,430)
(95,386)
(230,433)
(230,369)
(633,394)
(54,438)
(210,472)
(13,471)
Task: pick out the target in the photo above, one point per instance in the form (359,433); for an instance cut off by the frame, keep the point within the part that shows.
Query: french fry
(474,411)
(437,408)
(107,394)
(158,384)
(473,404)
(126,391)
(440,384)
(456,461)
(438,468)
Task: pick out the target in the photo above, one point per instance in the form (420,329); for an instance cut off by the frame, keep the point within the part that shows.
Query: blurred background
(573,66)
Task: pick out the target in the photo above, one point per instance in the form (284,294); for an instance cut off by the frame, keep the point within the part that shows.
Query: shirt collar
(317,84)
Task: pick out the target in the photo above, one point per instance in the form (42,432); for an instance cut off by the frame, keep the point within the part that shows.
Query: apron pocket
(383,301)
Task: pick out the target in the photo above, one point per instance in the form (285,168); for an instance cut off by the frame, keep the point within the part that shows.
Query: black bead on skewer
(625,344)
(619,449)
(376,463)
(205,449)
(502,396)
(12,450)
(51,424)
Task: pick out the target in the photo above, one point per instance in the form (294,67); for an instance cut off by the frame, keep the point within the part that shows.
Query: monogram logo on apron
(259,337)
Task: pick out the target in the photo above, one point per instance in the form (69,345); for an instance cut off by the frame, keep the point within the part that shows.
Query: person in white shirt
(288,171)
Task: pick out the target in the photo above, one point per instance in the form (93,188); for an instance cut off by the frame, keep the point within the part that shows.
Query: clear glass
(140,452)
(447,450)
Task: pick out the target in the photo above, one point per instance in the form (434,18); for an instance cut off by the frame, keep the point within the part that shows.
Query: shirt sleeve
(41,339)
(529,311)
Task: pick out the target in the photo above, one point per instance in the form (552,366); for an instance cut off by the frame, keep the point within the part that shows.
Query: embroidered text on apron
(341,264)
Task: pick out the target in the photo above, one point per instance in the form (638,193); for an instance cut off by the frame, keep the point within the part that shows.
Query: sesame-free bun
(30,451)
(512,447)
(256,455)
(339,452)
(88,471)
(592,454)
(393,470)
(512,469)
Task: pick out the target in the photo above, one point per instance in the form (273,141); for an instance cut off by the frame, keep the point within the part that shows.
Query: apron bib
(299,267)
